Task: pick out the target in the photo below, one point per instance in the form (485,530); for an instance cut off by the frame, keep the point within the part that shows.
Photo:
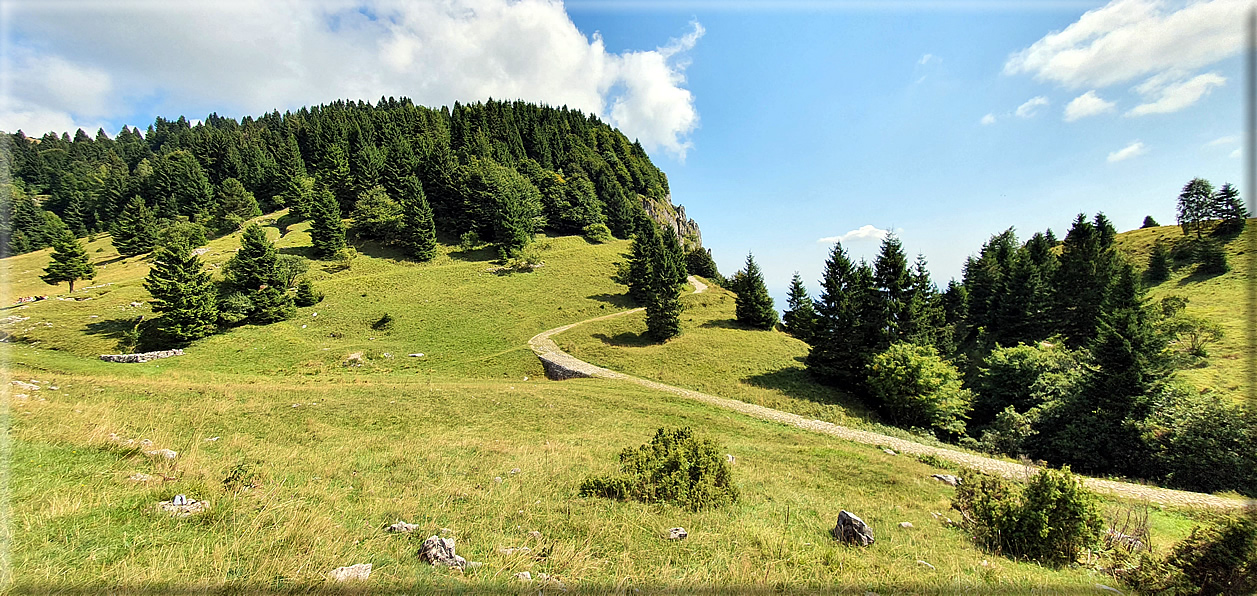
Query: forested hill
(479,165)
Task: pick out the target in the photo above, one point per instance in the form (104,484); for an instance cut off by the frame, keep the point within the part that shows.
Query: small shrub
(240,476)
(1220,559)
(344,258)
(384,323)
(1149,222)
(598,233)
(1009,432)
(307,295)
(1212,259)
(1202,442)
(1050,519)
(916,387)
(271,305)
(234,308)
(469,240)
(675,467)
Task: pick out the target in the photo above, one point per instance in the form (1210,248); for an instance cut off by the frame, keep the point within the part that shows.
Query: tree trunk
(71,286)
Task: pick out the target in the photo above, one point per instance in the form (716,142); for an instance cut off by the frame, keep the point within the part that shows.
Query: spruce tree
(1082,282)
(1230,209)
(135,231)
(253,266)
(841,344)
(641,261)
(307,295)
(235,206)
(271,305)
(698,262)
(1158,263)
(183,293)
(418,227)
(1195,206)
(1149,223)
(800,314)
(69,259)
(327,230)
(890,270)
(754,307)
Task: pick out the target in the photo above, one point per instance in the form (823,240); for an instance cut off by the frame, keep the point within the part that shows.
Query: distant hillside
(559,168)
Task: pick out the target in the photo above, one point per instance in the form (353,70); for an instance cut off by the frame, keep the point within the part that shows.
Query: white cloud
(1127,152)
(1173,95)
(1229,140)
(1128,39)
(97,60)
(865,232)
(988,119)
(1087,104)
(927,58)
(1235,154)
(1028,109)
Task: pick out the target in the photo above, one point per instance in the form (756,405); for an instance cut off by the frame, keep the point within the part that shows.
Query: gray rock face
(558,371)
(947,479)
(359,572)
(852,530)
(440,551)
(141,357)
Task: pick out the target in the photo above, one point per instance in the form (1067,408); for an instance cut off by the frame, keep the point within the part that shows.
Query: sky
(782,126)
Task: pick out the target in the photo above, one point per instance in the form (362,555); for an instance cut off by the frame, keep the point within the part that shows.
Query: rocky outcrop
(852,530)
(141,357)
(666,214)
(440,551)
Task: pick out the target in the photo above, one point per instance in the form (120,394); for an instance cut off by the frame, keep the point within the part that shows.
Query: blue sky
(779,124)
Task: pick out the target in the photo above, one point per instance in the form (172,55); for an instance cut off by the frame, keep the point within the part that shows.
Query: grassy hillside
(1219,298)
(304,461)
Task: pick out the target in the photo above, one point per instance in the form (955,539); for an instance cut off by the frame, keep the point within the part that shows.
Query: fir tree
(376,216)
(418,227)
(307,295)
(183,293)
(698,262)
(1195,206)
(1149,223)
(253,266)
(1082,282)
(663,291)
(327,230)
(800,314)
(69,259)
(641,260)
(1158,263)
(890,271)
(135,231)
(1230,209)
(271,305)
(847,322)
(235,206)
(754,307)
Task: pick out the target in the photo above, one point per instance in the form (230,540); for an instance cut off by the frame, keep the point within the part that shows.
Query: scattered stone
(947,479)
(677,534)
(729,458)
(141,357)
(850,529)
(182,506)
(53,387)
(26,386)
(402,527)
(212,439)
(474,564)
(497,479)
(523,576)
(514,471)
(359,572)
(888,451)
(354,359)
(535,535)
(140,477)
(164,453)
(440,551)
(388,355)
(514,549)
(906,525)
(136,304)
(417,355)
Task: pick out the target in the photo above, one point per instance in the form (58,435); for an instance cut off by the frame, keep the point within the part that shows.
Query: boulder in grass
(402,527)
(677,534)
(440,551)
(359,572)
(947,479)
(850,529)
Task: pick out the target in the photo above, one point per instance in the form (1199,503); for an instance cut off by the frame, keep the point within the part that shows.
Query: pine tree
(1195,206)
(253,266)
(307,295)
(183,293)
(800,314)
(418,227)
(135,231)
(235,206)
(1158,263)
(327,230)
(754,307)
(271,305)
(894,282)
(641,261)
(69,259)
(1149,223)
(847,322)
(663,292)
(1082,282)
(675,256)
(1230,209)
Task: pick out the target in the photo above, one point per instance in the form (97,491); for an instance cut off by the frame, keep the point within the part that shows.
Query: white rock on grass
(359,572)
(181,506)
(906,525)
(677,534)
(920,562)
(440,551)
(162,453)
(947,479)
(523,576)
(402,527)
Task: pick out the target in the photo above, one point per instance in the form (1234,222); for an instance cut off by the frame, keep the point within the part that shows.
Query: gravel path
(549,352)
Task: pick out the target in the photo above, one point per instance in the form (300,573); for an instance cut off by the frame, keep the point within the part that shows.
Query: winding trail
(561,365)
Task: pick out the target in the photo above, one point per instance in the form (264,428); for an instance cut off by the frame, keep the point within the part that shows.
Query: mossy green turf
(339,452)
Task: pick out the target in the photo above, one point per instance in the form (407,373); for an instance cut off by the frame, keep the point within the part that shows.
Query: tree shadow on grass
(794,381)
(486,253)
(723,324)
(131,333)
(301,251)
(626,340)
(1197,276)
(620,300)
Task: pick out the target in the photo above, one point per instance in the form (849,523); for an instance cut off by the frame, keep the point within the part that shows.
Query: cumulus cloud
(988,119)
(1172,95)
(104,60)
(1227,140)
(1127,152)
(865,232)
(1087,104)
(1028,109)
(1129,39)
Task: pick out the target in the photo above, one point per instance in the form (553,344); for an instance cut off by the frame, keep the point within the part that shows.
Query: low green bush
(1219,559)
(598,233)
(1050,519)
(916,387)
(675,467)
(307,295)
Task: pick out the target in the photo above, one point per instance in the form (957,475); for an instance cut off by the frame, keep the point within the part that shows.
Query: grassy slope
(1220,298)
(423,440)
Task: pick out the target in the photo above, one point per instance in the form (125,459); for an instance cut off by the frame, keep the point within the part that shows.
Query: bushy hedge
(915,386)
(1050,519)
(674,467)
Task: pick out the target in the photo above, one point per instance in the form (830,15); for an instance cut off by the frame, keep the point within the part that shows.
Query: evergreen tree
(1230,209)
(253,266)
(1082,282)
(307,295)
(335,176)
(1158,263)
(698,262)
(135,231)
(418,227)
(77,215)
(69,259)
(327,230)
(183,293)
(846,330)
(641,261)
(377,216)
(235,206)
(800,314)
(890,272)
(1195,206)
(675,256)
(271,305)
(1149,223)
(754,307)
(663,292)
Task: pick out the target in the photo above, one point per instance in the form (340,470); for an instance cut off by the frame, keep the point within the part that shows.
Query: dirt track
(549,353)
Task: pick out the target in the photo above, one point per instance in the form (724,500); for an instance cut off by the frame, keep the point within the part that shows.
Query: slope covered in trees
(501,169)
